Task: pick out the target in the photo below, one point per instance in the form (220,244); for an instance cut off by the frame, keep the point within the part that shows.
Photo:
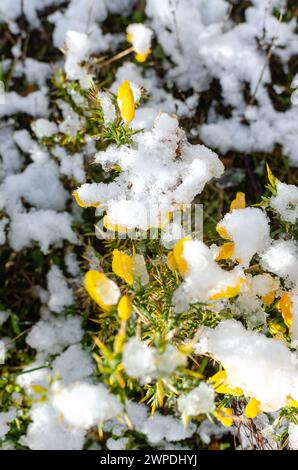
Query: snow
(77,50)
(70,165)
(141,361)
(238,224)
(84,405)
(262,367)
(46,227)
(44,128)
(207,429)
(281,259)
(204,277)
(158,427)
(140,36)
(160,99)
(108,109)
(5,419)
(3,223)
(2,351)
(286,202)
(71,123)
(52,335)
(204,44)
(47,432)
(3,316)
(38,184)
(71,263)
(83,17)
(199,400)
(9,12)
(293,436)
(249,303)
(36,71)
(73,364)
(10,158)
(117,444)
(202,49)
(35,104)
(137,358)
(152,178)
(60,295)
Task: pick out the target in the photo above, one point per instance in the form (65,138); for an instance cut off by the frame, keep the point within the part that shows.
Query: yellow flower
(178,256)
(252,408)
(119,341)
(123,266)
(38,389)
(129,38)
(227,292)
(82,203)
(130,268)
(285,306)
(225,251)
(276,329)
(268,299)
(272,179)
(124,308)
(220,384)
(101,289)
(142,57)
(126,102)
(225,416)
(222,231)
(291,402)
(114,227)
(171,262)
(139,56)
(238,202)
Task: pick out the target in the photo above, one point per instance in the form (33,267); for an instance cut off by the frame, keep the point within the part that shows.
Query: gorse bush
(125,325)
(179,315)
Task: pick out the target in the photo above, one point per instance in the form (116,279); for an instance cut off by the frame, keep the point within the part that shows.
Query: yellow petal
(225,251)
(220,385)
(223,232)
(160,393)
(285,306)
(171,262)
(252,408)
(272,179)
(101,289)
(119,341)
(124,308)
(82,203)
(114,227)
(268,299)
(227,390)
(225,416)
(129,38)
(123,266)
(178,256)
(38,389)
(276,328)
(238,202)
(291,402)
(227,292)
(141,57)
(220,376)
(126,102)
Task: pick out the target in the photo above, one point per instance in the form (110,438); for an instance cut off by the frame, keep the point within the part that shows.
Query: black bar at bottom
(150,458)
